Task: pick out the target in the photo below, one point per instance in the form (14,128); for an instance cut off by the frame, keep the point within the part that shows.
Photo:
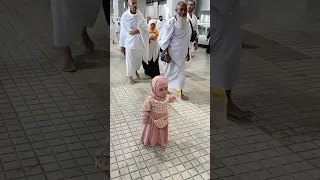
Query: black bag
(193,34)
(163,56)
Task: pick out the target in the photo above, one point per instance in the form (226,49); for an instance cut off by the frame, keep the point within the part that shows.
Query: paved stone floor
(280,82)
(51,122)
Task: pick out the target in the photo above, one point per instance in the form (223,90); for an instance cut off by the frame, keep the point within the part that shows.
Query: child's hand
(145,121)
(171,98)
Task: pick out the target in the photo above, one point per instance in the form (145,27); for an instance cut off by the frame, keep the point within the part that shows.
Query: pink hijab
(159,85)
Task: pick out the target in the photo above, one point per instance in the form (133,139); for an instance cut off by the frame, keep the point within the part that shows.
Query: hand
(133,32)
(196,46)
(171,98)
(145,121)
(122,49)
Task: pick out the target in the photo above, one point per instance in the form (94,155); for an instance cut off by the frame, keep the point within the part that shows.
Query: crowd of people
(142,41)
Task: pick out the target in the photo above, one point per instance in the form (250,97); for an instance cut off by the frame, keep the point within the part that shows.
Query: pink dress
(155,122)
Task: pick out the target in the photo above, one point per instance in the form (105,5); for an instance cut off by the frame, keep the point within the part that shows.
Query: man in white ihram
(134,40)
(194,21)
(174,39)
(226,50)
(160,23)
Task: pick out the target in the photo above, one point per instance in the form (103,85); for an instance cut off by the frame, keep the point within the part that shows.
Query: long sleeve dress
(155,122)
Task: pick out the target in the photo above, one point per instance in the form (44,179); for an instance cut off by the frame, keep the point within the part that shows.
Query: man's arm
(122,38)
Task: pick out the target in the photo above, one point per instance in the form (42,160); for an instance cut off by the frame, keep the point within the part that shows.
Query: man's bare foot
(235,112)
(131,80)
(137,74)
(184,97)
(69,66)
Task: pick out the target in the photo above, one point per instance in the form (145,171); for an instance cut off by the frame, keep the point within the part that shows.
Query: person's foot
(68,66)
(132,81)
(184,97)
(137,74)
(235,112)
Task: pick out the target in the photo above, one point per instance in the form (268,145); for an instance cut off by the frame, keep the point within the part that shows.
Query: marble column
(115,8)
(142,5)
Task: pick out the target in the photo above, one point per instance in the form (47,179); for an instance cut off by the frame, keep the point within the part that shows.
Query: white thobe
(137,46)
(159,25)
(194,21)
(176,39)
(69,17)
(225,43)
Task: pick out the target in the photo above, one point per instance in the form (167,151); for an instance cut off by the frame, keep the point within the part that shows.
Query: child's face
(162,91)
(153,26)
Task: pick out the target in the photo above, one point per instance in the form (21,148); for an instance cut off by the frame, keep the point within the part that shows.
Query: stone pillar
(156,7)
(115,10)
(142,4)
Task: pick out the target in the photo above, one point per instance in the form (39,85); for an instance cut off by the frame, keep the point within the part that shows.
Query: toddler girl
(155,113)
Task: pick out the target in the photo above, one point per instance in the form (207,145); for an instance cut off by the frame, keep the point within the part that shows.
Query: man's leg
(87,42)
(233,110)
(184,97)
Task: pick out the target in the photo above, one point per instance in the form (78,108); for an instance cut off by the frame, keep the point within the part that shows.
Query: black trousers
(106,9)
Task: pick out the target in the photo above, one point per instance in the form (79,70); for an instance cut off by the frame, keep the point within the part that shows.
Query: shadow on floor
(93,60)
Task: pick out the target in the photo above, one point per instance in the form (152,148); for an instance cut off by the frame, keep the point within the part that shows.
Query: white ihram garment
(225,43)
(159,25)
(176,39)
(194,22)
(69,17)
(137,46)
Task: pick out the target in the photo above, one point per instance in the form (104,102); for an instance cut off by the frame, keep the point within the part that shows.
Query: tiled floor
(187,155)
(51,123)
(280,82)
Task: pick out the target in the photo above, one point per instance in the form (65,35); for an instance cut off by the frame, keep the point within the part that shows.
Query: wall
(203,5)
(154,10)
